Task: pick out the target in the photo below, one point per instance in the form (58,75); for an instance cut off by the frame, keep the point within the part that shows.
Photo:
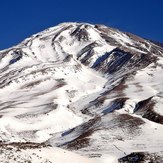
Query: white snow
(158,105)
(44,155)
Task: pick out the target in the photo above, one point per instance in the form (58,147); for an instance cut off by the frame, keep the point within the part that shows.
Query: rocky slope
(90,89)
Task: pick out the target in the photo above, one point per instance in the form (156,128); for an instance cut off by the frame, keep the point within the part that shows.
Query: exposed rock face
(87,88)
(140,157)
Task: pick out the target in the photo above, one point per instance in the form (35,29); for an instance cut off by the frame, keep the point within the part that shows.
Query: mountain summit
(88,89)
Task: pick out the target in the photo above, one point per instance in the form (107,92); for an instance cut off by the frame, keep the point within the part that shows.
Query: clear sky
(21,18)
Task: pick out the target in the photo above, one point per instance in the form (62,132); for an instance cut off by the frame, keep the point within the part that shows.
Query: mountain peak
(82,87)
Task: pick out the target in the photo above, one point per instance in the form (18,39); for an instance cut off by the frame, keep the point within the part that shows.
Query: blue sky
(21,18)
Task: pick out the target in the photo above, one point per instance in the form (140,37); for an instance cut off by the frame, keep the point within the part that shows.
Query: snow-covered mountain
(88,89)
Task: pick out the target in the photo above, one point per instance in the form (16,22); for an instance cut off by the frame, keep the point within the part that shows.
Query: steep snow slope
(87,88)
